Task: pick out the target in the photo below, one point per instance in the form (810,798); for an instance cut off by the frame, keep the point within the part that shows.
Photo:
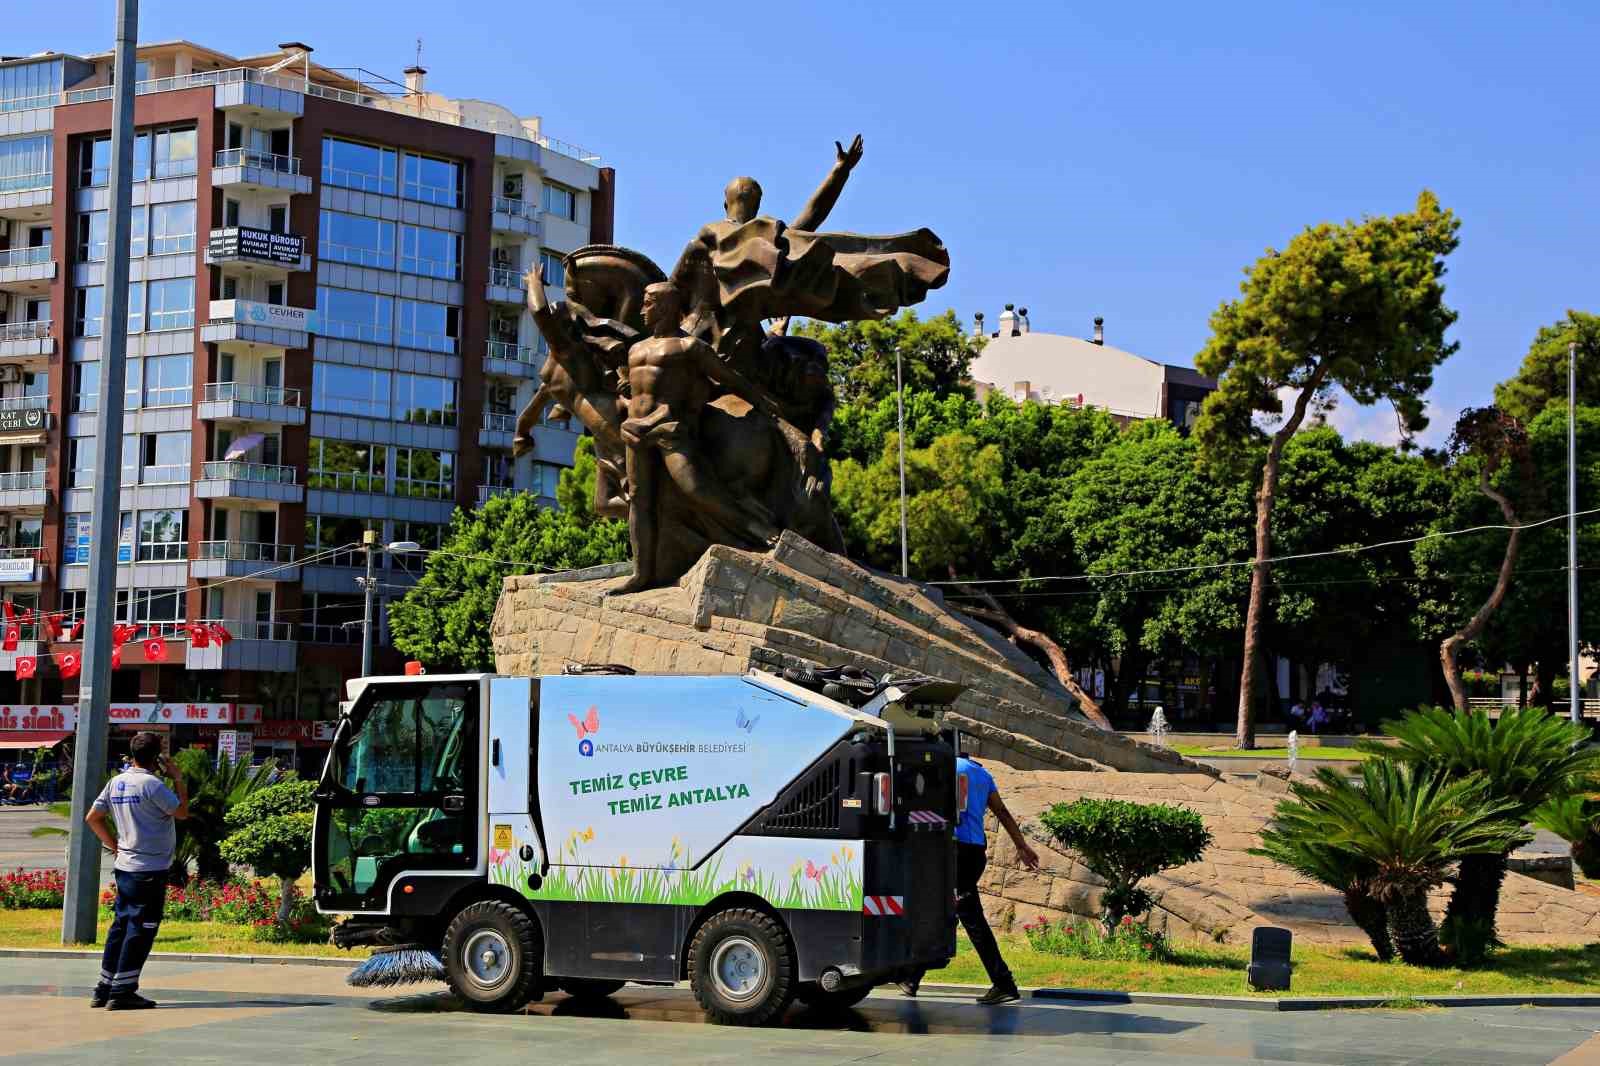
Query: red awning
(32,738)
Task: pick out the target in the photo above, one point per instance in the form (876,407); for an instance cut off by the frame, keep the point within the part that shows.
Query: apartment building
(326,335)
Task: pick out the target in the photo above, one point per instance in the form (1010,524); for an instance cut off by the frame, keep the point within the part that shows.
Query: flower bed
(33,890)
(1082,939)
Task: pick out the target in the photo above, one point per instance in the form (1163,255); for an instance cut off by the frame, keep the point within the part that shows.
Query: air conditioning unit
(511,187)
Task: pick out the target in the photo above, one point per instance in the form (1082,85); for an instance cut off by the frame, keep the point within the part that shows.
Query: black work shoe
(909,988)
(130,1001)
(100,997)
(997,995)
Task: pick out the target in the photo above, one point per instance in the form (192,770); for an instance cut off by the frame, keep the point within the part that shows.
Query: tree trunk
(1451,646)
(1416,939)
(1019,634)
(1544,681)
(1474,903)
(1372,919)
(1522,686)
(1261,571)
(285,902)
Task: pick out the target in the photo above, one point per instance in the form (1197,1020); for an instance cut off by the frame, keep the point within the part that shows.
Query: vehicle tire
(493,954)
(741,968)
(589,987)
(816,997)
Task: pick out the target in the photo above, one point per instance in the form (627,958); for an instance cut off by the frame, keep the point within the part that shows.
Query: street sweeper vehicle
(765,837)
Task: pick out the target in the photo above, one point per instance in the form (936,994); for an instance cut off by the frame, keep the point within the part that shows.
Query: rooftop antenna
(419,51)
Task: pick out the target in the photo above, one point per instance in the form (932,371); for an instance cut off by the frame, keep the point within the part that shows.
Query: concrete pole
(1576,697)
(81,910)
(900,417)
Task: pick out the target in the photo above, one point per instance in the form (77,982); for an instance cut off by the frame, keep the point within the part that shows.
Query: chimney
(1022,315)
(1099,330)
(1008,322)
(977,324)
(414,76)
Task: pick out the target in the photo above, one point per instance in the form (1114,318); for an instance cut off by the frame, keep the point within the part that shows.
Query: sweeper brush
(401,964)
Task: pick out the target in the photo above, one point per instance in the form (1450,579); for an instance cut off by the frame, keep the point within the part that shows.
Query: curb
(183,956)
(1284,1004)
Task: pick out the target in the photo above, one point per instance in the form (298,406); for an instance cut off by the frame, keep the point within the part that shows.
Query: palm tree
(1296,839)
(1576,819)
(1408,826)
(213,789)
(1526,759)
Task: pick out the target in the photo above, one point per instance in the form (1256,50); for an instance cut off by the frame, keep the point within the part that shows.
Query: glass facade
(25,163)
(29,85)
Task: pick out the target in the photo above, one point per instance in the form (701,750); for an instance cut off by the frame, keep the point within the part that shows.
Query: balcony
(508,360)
(21,566)
(274,255)
(515,216)
(22,490)
(235,401)
(506,286)
(246,170)
(27,270)
(267,646)
(231,479)
(26,197)
(497,430)
(245,559)
(489,492)
(272,325)
(26,340)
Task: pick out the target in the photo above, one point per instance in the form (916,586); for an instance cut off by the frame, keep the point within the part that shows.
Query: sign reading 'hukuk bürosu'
(259,244)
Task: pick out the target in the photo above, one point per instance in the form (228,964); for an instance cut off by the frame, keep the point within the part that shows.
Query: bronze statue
(709,427)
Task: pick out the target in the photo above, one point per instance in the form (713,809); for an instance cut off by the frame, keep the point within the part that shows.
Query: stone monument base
(799,604)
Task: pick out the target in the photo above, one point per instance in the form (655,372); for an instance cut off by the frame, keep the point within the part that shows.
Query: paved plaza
(19,848)
(278,1014)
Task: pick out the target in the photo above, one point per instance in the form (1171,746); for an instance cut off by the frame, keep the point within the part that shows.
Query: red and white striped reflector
(883,906)
(926,818)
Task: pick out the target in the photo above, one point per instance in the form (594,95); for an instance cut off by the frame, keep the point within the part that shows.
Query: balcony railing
(25,331)
(220,391)
(331,632)
(248,157)
(513,353)
(24,403)
(26,257)
(242,551)
(252,629)
(236,470)
(495,422)
(506,277)
(488,492)
(21,480)
(518,208)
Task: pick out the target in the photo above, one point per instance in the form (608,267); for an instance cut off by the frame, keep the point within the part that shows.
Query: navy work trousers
(141,897)
(970,861)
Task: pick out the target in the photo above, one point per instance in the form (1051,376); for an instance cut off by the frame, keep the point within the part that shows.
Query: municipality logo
(587,727)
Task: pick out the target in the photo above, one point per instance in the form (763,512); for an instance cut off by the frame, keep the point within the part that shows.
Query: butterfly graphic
(589,725)
(746,724)
(814,871)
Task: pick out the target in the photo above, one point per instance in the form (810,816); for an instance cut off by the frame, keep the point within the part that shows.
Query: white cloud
(1376,423)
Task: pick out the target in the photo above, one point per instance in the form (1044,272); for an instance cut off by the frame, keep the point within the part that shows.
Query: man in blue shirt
(143,809)
(981,795)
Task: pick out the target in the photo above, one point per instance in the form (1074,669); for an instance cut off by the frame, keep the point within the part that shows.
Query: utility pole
(900,417)
(369,538)
(1576,705)
(81,909)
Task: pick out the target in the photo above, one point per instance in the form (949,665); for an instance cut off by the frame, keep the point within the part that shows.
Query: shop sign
(236,744)
(61,717)
(28,420)
(289,729)
(17,569)
(259,244)
(127,714)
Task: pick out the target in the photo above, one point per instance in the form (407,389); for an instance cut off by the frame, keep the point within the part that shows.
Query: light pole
(80,909)
(1576,693)
(900,418)
(369,585)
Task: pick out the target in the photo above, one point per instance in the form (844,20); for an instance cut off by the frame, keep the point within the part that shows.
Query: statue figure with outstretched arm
(671,378)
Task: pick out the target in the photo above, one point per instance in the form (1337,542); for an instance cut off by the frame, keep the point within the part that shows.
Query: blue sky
(1125,160)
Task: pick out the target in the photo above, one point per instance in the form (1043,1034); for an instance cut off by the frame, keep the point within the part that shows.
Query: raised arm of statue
(815,213)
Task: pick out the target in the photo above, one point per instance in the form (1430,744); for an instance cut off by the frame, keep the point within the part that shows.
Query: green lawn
(1201,969)
(1307,753)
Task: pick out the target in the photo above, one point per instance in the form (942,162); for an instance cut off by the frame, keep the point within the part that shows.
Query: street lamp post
(1576,693)
(369,586)
(900,418)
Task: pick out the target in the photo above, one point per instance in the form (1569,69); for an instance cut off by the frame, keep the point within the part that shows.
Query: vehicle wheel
(816,997)
(741,968)
(493,955)
(589,987)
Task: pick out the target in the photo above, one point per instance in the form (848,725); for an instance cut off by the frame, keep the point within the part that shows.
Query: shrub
(1075,938)
(215,787)
(1576,819)
(33,890)
(272,835)
(1126,842)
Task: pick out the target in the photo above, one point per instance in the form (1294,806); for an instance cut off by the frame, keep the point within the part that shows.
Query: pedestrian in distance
(971,857)
(144,811)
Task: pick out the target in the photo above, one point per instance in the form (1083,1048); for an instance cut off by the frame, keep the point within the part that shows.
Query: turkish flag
(220,633)
(77,630)
(27,616)
(13,634)
(199,635)
(52,627)
(116,658)
(155,650)
(26,665)
(69,664)
(121,634)
(10,611)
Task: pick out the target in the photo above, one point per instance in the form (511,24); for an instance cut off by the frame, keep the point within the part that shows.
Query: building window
(162,610)
(350,390)
(136,306)
(358,316)
(331,618)
(554,272)
(175,152)
(28,85)
(77,541)
(27,533)
(25,163)
(331,533)
(85,388)
(424,473)
(94,231)
(88,305)
(164,458)
(424,399)
(358,166)
(94,163)
(168,380)
(356,239)
(172,304)
(430,327)
(560,201)
(346,466)
(432,181)
(433,253)
(172,228)
(163,535)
